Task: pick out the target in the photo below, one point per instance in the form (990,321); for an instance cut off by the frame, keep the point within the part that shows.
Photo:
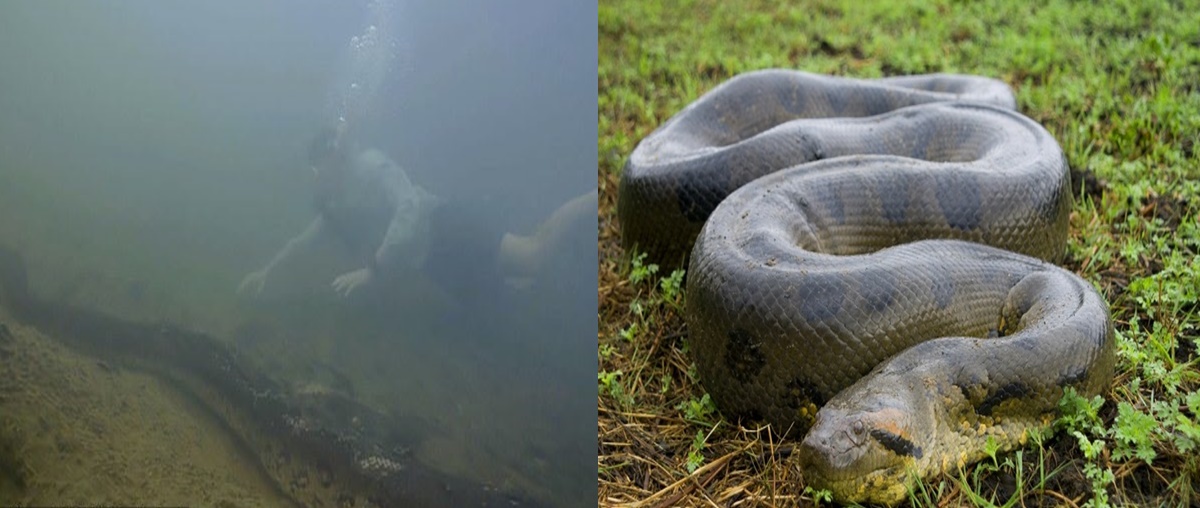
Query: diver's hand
(252,285)
(347,282)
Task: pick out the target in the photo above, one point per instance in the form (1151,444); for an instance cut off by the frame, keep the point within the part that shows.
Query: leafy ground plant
(1118,84)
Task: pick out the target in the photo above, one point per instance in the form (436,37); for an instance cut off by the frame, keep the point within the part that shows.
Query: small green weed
(819,495)
(639,271)
(698,411)
(695,457)
(672,290)
(610,384)
(1080,417)
(1101,477)
(1133,433)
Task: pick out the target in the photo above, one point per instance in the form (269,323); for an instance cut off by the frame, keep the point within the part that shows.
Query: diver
(366,201)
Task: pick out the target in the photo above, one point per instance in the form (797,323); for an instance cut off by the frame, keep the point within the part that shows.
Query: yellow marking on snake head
(888,419)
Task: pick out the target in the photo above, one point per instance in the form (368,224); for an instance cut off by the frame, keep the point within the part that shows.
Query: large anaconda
(870,266)
(321,449)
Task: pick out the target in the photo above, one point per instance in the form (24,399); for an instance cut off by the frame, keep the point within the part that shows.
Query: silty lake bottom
(116,402)
(147,165)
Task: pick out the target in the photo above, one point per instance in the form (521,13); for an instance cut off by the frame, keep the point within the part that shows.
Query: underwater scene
(329,253)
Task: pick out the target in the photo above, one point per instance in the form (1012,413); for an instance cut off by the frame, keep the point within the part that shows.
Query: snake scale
(869,262)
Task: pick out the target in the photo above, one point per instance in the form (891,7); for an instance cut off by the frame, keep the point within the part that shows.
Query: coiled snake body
(870,266)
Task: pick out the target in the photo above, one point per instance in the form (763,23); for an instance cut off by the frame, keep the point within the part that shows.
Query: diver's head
(328,149)
(329,158)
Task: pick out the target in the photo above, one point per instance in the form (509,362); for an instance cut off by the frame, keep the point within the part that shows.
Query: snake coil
(869,262)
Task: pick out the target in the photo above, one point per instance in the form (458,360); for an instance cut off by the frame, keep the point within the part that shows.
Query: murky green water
(151,155)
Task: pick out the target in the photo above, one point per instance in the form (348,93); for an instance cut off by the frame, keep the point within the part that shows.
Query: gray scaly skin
(880,279)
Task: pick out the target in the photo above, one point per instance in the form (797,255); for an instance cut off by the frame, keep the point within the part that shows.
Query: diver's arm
(300,242)
(254,282)
(398,249)
(394,250)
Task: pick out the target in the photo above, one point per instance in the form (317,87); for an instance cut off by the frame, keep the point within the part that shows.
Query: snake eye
(858,432)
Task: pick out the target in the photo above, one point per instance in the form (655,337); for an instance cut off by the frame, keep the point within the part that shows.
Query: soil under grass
(1118,85)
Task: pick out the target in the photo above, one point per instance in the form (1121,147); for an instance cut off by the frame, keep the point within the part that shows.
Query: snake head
(865,443)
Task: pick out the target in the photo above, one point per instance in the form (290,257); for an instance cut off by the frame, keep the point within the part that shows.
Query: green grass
(1119,87)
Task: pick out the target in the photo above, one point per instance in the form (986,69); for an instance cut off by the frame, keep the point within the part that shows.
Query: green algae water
(152,154)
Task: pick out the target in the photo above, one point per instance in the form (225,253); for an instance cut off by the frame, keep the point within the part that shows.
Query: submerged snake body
(321,449)
(869,287)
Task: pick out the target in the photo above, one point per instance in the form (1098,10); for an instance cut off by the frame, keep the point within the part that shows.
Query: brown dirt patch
(78,432)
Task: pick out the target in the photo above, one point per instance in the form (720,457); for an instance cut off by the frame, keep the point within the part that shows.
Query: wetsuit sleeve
(399,247)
